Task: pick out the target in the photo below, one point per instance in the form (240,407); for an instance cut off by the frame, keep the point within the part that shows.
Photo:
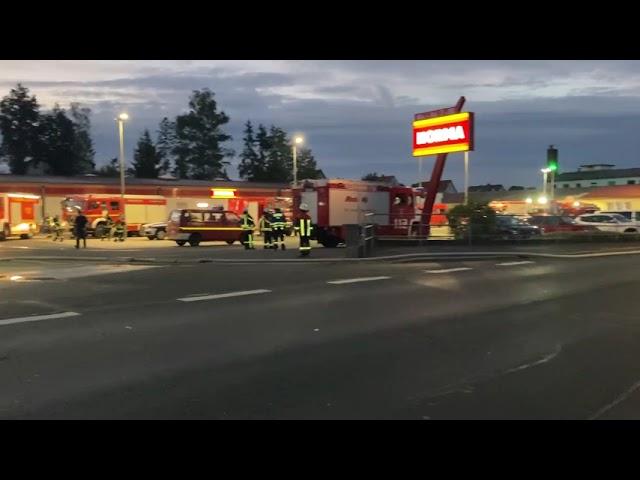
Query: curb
(438,256)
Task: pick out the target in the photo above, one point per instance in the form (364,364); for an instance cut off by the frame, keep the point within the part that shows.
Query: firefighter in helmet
(247,230)
(107,227)
(278,223)
(58,231)
(265,228)
(120,230)
(303,223)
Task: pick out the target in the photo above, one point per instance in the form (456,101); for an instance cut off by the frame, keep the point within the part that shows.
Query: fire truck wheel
(161,234)
(99,231)
(25,236)
(5,233)
(180,243)
(230,242)
(194,239)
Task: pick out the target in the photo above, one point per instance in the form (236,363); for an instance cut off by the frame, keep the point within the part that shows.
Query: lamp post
(545,172)
(121,119)
(296,141)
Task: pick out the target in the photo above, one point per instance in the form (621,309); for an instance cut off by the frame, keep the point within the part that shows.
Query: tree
(166,147)
(112,169)
(307,167)
(252,165)
(19,121)
(83,142)
(147,163)
(373,177)
(56,145)
(200,138)
(279,162)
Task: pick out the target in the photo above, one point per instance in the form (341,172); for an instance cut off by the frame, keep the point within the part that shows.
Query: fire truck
(18,215)
(136,211)
(333,203)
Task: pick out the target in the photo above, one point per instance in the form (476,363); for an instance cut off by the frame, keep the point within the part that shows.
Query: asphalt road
(500,339)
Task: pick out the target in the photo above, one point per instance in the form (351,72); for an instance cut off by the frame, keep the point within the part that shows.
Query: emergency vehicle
(18,215)
(203,225)
(334,203)
(136,211)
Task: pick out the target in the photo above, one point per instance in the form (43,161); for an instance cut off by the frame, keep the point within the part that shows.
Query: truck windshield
(71,205)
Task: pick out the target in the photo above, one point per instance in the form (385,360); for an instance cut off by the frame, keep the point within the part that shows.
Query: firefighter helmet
(304,207)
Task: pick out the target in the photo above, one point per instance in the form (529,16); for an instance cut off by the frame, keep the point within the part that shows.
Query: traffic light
(552,158)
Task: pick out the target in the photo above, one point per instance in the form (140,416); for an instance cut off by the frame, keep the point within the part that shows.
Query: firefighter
(57,230)
(247,230)
(304,228)
(120,230)
(265,228)
(278,222)
(80,229)
(107,229)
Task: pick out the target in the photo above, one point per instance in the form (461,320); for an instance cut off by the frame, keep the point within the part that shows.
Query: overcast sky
(356,115)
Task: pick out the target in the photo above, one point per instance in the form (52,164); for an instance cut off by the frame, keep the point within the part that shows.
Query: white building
(597,175)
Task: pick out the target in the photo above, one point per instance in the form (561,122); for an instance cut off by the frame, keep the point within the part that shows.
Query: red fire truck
(136,211)
(336,202)
(18,215)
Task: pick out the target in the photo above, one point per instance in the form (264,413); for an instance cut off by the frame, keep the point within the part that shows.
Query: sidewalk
(141,250)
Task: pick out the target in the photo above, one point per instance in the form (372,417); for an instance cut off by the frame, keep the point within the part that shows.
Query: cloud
(356,114)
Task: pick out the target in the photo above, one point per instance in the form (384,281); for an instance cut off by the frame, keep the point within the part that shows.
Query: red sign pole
(436,175)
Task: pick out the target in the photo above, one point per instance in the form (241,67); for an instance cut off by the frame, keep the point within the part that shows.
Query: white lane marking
(545,359)
(449,270)
(618,400)
(36,318)
(222,295)
(356,280)
(508,264)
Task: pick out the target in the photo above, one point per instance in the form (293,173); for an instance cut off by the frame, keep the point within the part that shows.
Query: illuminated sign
(223,193)
(444,134)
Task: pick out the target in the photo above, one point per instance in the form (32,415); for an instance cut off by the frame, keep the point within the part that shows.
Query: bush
(479,217)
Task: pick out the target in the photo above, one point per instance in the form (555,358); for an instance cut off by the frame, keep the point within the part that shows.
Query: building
(615,198)
(597,175)
(486,188)
(178,193)
(446,186)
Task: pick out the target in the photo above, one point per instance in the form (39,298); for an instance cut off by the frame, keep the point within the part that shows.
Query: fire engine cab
(334,203)
(18,215)
(136,211)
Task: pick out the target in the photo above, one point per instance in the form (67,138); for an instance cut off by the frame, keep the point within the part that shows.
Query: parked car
(511,227)
(198,225)
(558,224)
(628,214)
(154,231)
(609,222)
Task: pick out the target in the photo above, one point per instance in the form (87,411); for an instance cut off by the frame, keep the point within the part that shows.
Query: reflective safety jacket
(278,221)
(265,223)
(247,222)
(120,226)
(304,225)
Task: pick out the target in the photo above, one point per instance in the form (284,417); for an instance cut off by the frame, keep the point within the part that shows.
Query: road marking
(449,270)
(618,400)
(36,318)
(508,264)
(222,295)
(356,280)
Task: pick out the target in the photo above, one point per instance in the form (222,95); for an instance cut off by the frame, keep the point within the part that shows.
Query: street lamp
(121,119)
(296,141)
